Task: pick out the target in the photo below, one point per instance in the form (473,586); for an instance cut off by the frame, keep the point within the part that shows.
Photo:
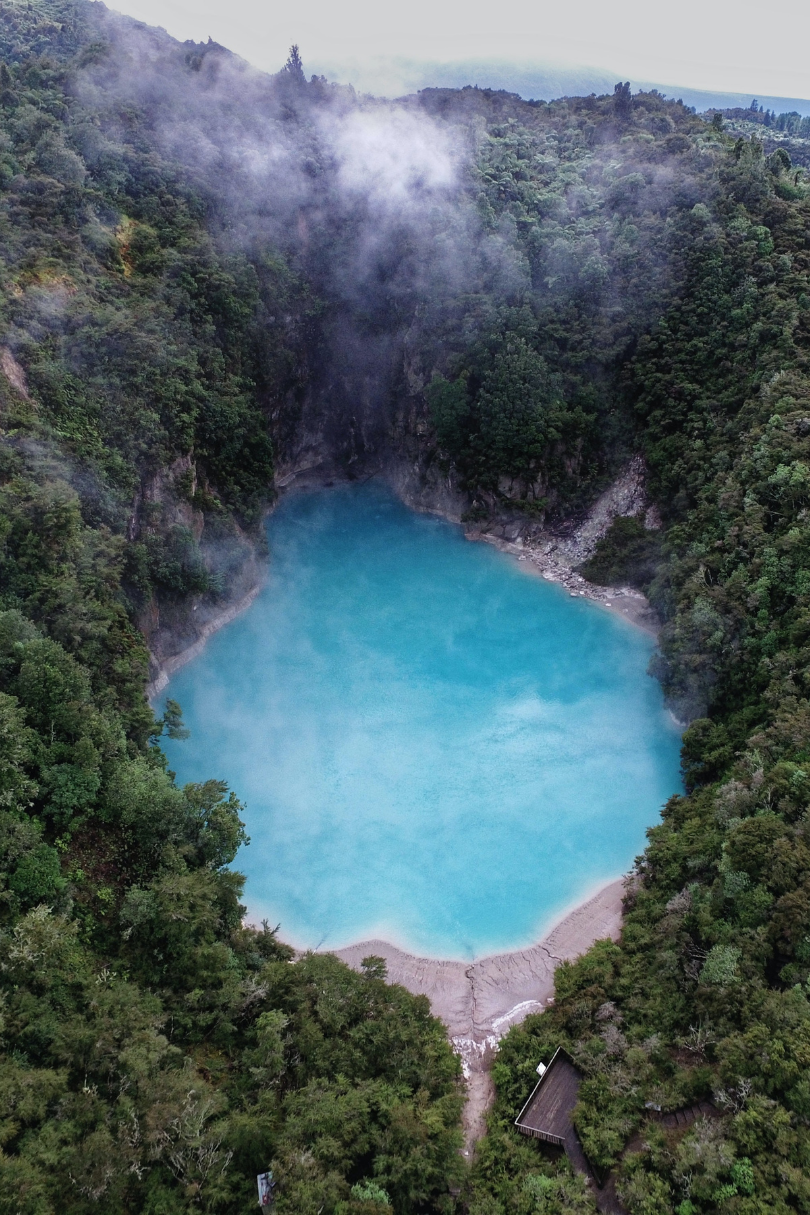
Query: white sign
(265,1183)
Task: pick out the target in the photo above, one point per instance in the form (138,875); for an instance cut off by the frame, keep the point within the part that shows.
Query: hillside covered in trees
(209,277)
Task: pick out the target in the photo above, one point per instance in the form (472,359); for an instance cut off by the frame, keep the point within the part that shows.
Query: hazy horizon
(707,50)
(396,77)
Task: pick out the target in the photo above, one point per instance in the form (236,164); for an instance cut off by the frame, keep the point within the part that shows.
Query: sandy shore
(479,1001)
(551,563)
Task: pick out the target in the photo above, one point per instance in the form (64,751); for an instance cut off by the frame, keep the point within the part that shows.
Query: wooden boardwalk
(547,1116)
(685,1117)
(547,1113)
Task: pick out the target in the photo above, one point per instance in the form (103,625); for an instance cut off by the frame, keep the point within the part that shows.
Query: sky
(724,45)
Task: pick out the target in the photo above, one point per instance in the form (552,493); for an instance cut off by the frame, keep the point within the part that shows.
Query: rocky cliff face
(342,428)
(349,429)
(174,624)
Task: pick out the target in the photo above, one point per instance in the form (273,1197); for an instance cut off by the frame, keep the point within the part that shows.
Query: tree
(294,65)
(622,100)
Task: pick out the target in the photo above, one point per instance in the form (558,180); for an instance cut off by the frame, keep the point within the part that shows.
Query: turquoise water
(434,745)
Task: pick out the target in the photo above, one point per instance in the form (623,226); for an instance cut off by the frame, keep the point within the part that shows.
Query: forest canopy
(207,275)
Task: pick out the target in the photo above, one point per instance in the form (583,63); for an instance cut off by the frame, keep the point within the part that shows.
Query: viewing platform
(547,1113)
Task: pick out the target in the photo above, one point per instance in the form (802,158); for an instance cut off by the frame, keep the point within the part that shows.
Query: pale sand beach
(479,1001)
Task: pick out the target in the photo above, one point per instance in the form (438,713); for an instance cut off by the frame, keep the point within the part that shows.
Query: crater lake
(434,745)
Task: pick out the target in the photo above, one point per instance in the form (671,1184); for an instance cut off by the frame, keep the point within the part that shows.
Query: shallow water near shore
(434,746)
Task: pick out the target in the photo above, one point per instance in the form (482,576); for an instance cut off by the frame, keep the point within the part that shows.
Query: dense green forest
(207,273)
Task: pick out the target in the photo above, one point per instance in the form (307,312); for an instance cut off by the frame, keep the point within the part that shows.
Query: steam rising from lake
(433,745)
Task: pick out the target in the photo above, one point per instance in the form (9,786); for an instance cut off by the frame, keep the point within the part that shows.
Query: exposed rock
(555,554)
(430,490)
(652,518)
(13,372)
(626,496)
(208,623)
(177,630)
(162,489)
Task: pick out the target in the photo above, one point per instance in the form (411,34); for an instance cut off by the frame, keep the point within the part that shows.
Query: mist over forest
(215,280)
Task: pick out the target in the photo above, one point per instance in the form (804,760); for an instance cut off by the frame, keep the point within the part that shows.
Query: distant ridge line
(539,81)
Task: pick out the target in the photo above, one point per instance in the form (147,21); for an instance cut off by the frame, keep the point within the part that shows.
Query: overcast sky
(738,46)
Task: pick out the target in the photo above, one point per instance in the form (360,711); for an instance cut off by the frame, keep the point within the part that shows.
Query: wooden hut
(547,1113)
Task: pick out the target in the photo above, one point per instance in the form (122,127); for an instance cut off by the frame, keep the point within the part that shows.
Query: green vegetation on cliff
(199,279)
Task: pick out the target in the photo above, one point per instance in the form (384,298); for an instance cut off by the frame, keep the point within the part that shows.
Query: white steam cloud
(392,156)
